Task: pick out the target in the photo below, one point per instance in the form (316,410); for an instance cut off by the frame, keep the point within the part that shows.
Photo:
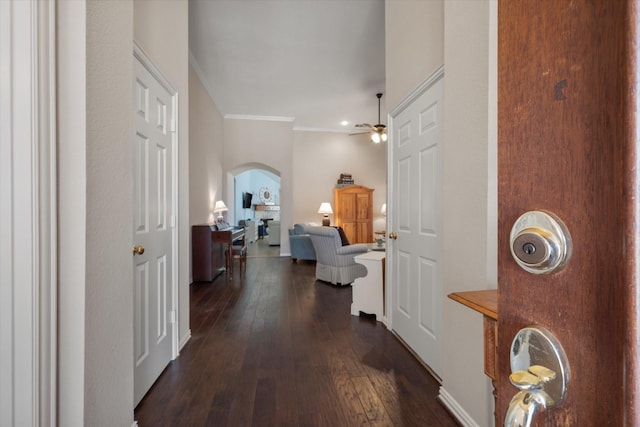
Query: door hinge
(173,125)
(172,317)
(173,221)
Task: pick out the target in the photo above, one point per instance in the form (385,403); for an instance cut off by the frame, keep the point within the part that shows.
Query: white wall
(261,142)
(95,195)
(318,160)
(71,23)
(205,154)
(414,45)
(421,36)
(95,205)
(465,198)
(161,30)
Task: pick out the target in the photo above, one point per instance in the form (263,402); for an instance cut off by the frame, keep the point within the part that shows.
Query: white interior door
(415,216)
(153,218)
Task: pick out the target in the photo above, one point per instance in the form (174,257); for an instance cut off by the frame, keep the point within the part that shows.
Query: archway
(256,179)
(254,194)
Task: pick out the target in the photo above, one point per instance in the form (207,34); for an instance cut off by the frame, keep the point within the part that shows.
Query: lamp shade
(325,208)
(220,207)
(383,210)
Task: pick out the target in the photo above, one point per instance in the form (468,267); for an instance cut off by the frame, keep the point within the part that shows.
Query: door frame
(139,54)
(390,269)
(28,213)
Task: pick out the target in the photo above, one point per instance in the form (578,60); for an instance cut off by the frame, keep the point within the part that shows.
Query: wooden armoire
(353,211)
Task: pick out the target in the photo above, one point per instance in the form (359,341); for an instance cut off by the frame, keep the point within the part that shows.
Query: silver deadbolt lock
(540,242)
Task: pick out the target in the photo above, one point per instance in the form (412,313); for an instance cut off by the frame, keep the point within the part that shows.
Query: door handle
(393,235)
(138,250)
(540,371)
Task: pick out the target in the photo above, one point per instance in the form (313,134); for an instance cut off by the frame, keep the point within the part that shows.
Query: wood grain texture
(274,347)
(353,211)
(485,302)
(565,87)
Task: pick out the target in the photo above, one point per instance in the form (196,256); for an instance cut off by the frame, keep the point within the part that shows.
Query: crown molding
(263,118)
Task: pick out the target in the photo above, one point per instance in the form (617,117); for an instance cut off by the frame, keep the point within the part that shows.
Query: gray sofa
(301,245)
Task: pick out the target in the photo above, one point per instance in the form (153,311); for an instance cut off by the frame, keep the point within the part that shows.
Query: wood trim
(485,302)
(425,85)
(272,208)
(631,229)
(48,206)
(29,214)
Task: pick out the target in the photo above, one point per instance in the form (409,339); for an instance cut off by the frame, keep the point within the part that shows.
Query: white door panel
(416,254)
(153,201)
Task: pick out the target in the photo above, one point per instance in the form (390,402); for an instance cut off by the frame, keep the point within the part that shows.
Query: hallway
(274,347)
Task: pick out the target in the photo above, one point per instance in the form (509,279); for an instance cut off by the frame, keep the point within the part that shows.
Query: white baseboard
(135,424)
(184,340)
(456,410)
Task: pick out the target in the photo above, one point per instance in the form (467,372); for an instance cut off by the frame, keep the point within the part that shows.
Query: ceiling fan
(379,131)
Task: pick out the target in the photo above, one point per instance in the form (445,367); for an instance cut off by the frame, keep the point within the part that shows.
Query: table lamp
(325,209)
(219,208)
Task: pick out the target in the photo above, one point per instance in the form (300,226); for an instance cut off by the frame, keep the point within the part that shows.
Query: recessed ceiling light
(344,122)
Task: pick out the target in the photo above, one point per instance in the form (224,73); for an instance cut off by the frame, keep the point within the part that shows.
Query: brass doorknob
(138,250)
(393,235)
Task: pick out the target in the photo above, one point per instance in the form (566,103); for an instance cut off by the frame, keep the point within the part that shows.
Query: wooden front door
(567,79)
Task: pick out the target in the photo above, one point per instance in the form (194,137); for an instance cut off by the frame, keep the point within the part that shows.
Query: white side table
(368,291)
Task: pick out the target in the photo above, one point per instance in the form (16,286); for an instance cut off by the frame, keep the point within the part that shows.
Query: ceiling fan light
(375,137)
(384,137)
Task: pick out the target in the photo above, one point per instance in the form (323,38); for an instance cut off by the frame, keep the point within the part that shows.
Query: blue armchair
(301,245)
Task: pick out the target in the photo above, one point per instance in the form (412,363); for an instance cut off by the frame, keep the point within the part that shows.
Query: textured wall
(414,45)
(205,153)
(161,29)
(466,194)
(95,205)
(421,36)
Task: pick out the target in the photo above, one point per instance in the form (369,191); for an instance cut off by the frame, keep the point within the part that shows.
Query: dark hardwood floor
(274,347)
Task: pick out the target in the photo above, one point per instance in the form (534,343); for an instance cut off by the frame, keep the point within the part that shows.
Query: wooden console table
(486,303)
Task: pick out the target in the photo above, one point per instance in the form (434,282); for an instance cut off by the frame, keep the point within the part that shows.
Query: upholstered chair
(334,262)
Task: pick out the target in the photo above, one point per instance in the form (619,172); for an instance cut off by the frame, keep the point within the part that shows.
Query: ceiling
(316,62)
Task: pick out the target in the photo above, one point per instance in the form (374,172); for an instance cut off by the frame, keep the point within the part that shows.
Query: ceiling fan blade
(358,133)
(364,125)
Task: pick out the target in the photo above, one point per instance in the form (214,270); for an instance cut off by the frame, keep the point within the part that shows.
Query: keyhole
(529,248)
